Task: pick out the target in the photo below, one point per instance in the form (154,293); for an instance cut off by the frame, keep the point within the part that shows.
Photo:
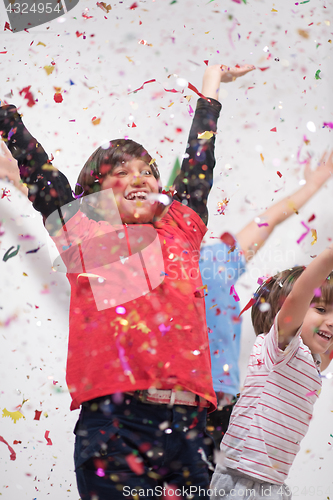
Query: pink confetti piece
(311,393)
(12,452)
(49,442)
(234,293)
(304,234)
(328,124)
(263,224)
(230,33)
(144,83)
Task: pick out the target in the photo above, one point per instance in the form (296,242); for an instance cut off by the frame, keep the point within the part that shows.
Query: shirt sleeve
(49,189)
(273,355)
(195,180)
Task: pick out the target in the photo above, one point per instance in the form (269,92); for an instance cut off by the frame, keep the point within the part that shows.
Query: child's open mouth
(324,335)
(139,195)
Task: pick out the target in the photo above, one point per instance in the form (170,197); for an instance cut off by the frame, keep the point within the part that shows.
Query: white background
(105,64)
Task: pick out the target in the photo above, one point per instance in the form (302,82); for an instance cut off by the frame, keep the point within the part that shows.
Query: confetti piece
(304,234)
(78,34)
(134,6)
(35,250)
(317,73)
(222,205)
(262,224)
(5,193)
(262,157)
(311,393)
(264,69)
(14,415)
(41,43)
(248,305)
(303,33)
(140,88)
(234,293)
(314,236)
(9,254)
(279,174)
(49,442)
(58,97)
(7,27)
(205,135)
(206,62)
(12,452)
(328,124)
(49,69)
(273,129)
(28,95)
(37,415)
(96,121)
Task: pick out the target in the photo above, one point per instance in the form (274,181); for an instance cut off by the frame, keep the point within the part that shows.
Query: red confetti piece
(4,52)
(312,218)
(37,415)
(144,83)
(206,62)
(78,34)
(7,27)
(135,463)
(28,95)
(273,129)
(58,97)
(228,239)
(264,69)
(12,452)
(17,442)
(194,423)
(49,442)
(279,174)
(134,6)
(248,305)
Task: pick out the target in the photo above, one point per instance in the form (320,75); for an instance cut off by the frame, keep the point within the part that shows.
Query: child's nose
(138,179)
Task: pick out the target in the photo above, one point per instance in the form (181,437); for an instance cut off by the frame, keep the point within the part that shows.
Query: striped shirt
(274,410)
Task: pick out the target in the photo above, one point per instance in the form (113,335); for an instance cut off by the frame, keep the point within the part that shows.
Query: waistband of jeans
(170,397)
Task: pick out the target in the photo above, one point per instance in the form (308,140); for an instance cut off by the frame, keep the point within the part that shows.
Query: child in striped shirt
(283,381)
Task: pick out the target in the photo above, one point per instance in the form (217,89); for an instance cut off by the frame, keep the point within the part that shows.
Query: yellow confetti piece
(303,33)
(262,157)
(41,43)
(96,121)
(129,59)
(188,97)
(212,307)
(57,89)
(274,10)
(49,69)
(25,274)
(152,161)
(14,415)
(171,104)
(314,236)
(205,135)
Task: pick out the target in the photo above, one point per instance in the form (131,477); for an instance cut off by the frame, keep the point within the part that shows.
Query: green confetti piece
(174,173)
(244,1)
(305,1)
(173,1)
(9,254)
(317,77)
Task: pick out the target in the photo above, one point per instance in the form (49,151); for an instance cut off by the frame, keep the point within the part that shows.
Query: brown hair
(104,160)
(274,291)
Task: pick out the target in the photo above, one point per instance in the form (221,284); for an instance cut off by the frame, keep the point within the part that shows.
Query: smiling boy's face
(317,328)
(132,182)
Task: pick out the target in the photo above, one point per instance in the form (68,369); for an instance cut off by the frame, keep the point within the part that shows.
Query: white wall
(105,67)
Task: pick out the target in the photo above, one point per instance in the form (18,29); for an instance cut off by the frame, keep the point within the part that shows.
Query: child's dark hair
(273,293)
(104,160)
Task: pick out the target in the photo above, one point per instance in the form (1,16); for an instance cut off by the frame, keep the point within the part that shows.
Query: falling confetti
(14,415)
(9,254)
(314,236)
(222,205)
(104,7)
(234,293)
(205,135)
(49,442)
(28,96)
(12,452)
(304,234)
(317,74)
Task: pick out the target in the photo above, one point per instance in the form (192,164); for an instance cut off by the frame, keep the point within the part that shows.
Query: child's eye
(146,172)
(320,309)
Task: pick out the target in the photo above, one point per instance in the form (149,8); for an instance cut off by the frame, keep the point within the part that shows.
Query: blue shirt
(220,270)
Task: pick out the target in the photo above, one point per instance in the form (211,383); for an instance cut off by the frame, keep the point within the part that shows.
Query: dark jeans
(218,422)
(123,444)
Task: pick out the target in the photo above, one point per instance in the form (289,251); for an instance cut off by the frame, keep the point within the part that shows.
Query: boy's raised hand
(221,73)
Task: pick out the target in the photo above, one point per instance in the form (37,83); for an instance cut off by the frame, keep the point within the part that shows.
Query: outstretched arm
(253,236)
(195,180)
